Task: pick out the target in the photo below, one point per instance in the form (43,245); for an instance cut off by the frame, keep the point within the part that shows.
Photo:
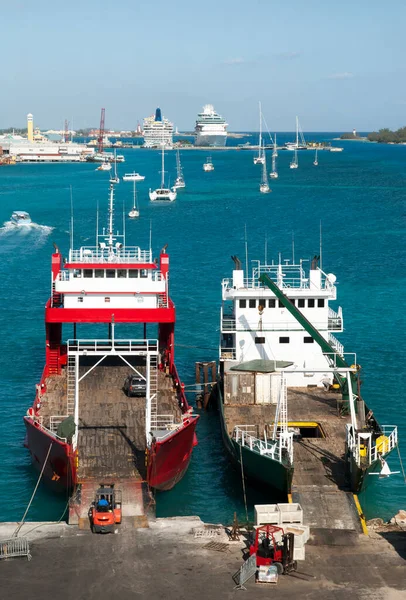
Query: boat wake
(12,232)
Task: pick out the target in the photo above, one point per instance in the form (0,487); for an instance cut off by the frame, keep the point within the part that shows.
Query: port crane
(101,132)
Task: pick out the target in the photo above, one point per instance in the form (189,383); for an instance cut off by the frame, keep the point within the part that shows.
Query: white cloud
(234,61)
(344,75)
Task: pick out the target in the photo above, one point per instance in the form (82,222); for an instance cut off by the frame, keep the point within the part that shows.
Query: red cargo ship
(88,420)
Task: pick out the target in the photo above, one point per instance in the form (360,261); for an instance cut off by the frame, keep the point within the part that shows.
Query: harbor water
(359,197)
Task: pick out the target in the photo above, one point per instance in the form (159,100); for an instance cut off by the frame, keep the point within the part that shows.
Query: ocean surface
(358,195)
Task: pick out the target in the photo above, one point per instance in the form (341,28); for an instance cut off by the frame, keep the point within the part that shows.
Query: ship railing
(132,346)
(69,276)
(365,451)
(92,254)
(338,347)
(162,426)
(228,353)
(243,436)
(48,430)
(335,320)
(385,443)
(293,325)
(349,357)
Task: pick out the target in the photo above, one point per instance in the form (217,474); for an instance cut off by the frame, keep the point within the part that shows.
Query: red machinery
(271,552)
(105,511)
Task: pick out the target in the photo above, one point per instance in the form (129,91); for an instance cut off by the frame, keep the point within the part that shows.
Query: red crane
(101,132)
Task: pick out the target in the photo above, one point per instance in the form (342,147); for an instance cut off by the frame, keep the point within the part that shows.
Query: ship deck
(111,441)
(318,460)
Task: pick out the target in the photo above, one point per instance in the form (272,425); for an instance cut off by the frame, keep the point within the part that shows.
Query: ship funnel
(237,263)
(158,115)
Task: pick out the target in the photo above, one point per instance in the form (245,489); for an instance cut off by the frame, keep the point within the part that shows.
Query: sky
(338,65)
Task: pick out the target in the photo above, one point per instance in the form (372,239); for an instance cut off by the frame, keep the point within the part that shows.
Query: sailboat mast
(163,169)
(260,131)
(297,132)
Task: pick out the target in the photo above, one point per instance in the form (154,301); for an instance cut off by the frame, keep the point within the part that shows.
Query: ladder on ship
(71,383)
(153,387)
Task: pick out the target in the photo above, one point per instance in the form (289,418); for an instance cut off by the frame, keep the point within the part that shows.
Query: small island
(353,136)
(387,136)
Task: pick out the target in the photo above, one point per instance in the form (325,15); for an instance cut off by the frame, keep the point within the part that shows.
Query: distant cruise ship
(158,131)
(211,128)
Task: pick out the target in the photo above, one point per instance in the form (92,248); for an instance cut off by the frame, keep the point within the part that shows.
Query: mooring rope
(401,464)
(243,484)
(33,494)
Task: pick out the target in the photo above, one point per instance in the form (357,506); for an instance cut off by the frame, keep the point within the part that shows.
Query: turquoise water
(358,194)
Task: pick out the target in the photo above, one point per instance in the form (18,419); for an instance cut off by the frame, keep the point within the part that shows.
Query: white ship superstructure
(211,128)
(158,131)
(256,325)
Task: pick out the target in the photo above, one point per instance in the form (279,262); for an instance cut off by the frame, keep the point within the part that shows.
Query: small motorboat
(208,165)
(20,217)
(133,177)
(105,166)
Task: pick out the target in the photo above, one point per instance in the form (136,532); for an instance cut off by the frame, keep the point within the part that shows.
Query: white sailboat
(294,164)
(179,181)
(162,194)
(264,185)
(114,178)
(208,165)
(260,159)
(274,172)
(134,212)
(297,145)
(105,166)
(315,162)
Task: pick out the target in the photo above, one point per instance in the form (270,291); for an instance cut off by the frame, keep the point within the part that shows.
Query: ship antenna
(71,218)
(266,250)
(321,248)
(293,247)
(97,223)
(150,239)
(246,252)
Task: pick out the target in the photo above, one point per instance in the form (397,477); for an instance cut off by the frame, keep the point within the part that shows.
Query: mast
(111,218)
(163,169)
(260,131)
(297,132)
(273,162)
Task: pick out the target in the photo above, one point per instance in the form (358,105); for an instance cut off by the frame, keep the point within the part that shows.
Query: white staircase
(153,387)
(71,384)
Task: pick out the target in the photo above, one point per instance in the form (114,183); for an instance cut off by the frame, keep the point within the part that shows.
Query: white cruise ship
(158,131)
(211,128)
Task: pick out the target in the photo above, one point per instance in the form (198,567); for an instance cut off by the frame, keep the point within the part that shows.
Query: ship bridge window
(110,273)
(281,304)
(308,339)
(320,302)
(260,340)
(272,303)
(243,303)
(310,303)
(143,273)
(284,340)
(77,272)
(99,273)
(121,273)
(133,273)
(88,273)
(301,302)
(252,303)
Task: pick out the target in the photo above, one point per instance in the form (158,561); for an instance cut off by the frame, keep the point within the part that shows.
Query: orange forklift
(271,552)
(105,511)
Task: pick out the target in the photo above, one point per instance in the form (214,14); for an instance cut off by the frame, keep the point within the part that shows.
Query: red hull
(169,459)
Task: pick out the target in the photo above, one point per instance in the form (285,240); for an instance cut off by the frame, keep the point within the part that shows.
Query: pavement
(169,561)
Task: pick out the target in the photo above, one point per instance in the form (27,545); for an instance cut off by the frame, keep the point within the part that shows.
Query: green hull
(261,469)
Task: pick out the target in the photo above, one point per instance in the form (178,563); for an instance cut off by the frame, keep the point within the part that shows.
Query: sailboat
(162,194)
(105,166)
(274,172)
(299,134)
(134,212)
(260,159)
(115,178)
(264,186)
(208,165)
(294,162)
(179,181)
(315,162)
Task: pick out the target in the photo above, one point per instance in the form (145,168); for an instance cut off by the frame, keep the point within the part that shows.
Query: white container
(299,553)
(301,533)
(290,513)
(267,514)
